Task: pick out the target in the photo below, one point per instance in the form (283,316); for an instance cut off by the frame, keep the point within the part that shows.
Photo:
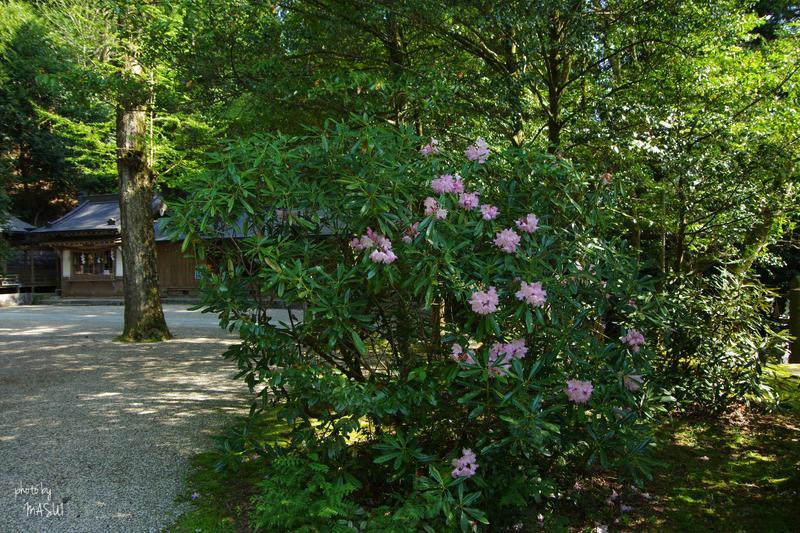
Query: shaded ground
(106,427)
(740,472)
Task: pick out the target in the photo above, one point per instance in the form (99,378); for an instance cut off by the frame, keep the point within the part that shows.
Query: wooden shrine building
(88,243)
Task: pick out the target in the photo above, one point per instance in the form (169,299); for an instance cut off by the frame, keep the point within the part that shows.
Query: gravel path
(101,427)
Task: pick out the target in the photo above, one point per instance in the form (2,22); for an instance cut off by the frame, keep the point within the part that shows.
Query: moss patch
(736,473)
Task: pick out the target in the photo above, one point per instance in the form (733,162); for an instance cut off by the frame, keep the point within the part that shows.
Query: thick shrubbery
(716,340)
(466,338)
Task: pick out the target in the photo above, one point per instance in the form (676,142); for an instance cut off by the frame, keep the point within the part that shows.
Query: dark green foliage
(302,494)
(717,341)
(366,380)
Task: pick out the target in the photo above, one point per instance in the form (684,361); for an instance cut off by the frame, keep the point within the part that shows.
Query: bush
(716,341)
(463,368)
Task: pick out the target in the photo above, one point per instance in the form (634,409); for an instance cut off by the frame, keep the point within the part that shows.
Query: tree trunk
(794,318)
(397,56)
(144,318)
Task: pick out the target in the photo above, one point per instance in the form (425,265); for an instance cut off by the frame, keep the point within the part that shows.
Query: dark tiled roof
(95,214)
(15,225)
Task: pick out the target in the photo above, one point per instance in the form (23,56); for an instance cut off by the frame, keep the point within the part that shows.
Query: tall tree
(111,35)
(144,317)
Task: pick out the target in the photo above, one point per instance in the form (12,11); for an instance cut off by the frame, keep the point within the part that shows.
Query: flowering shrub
(472,340)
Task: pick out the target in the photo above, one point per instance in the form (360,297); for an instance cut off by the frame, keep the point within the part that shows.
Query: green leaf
(358,342)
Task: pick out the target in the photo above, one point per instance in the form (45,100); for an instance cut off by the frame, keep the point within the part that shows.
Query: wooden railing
(10,280)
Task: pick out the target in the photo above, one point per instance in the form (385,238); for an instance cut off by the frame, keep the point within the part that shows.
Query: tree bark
(144,317)
(794,318)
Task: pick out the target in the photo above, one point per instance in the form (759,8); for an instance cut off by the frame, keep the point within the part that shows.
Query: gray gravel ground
(105,427)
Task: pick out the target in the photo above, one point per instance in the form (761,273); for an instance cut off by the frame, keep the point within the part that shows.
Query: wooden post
(794,318)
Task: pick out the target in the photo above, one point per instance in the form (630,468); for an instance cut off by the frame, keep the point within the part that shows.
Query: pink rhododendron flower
(516,348)
(532,293)
(410,233)
(431,148)
(484,303)
(361,243)
(529,224)
(633,339)
(461,355)
(501,355)
(468,200)
(466,465)
(633,382)
(379,256)
(507,240)
(431,206)
(605,177)
(447,183)
(579,391)
(458,184)
(383,246)
(489,212)
(478,152)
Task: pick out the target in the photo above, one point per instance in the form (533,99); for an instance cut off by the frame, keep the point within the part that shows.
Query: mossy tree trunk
(794,318)
(144,317)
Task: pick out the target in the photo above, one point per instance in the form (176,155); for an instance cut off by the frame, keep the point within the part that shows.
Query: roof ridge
(69,214)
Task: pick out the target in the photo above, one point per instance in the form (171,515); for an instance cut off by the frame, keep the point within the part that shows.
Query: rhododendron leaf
(358,343)
(464,523)
(509,419)
(470,395)
(417,374)
(528,321)
(429,297)
(477,411)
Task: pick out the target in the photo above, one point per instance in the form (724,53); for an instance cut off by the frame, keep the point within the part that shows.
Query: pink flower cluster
(410,233)
(529,224)
(489,212)
(501,355)
(486,302)
(468,200)
(383,246)
(579,391)
(461,355)
(431,148)
(507,240)
(478,152)
(432,208)
(633,382)
(633,339)
(466,465)
(532,293)
(447,183)
(606,178)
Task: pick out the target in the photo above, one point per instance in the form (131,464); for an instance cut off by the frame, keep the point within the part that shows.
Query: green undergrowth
(222,482)
(737,472)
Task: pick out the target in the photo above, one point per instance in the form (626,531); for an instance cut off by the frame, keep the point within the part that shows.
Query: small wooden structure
(28,267)
(88,243)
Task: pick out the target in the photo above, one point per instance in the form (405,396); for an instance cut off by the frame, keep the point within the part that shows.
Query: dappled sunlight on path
(106,426)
